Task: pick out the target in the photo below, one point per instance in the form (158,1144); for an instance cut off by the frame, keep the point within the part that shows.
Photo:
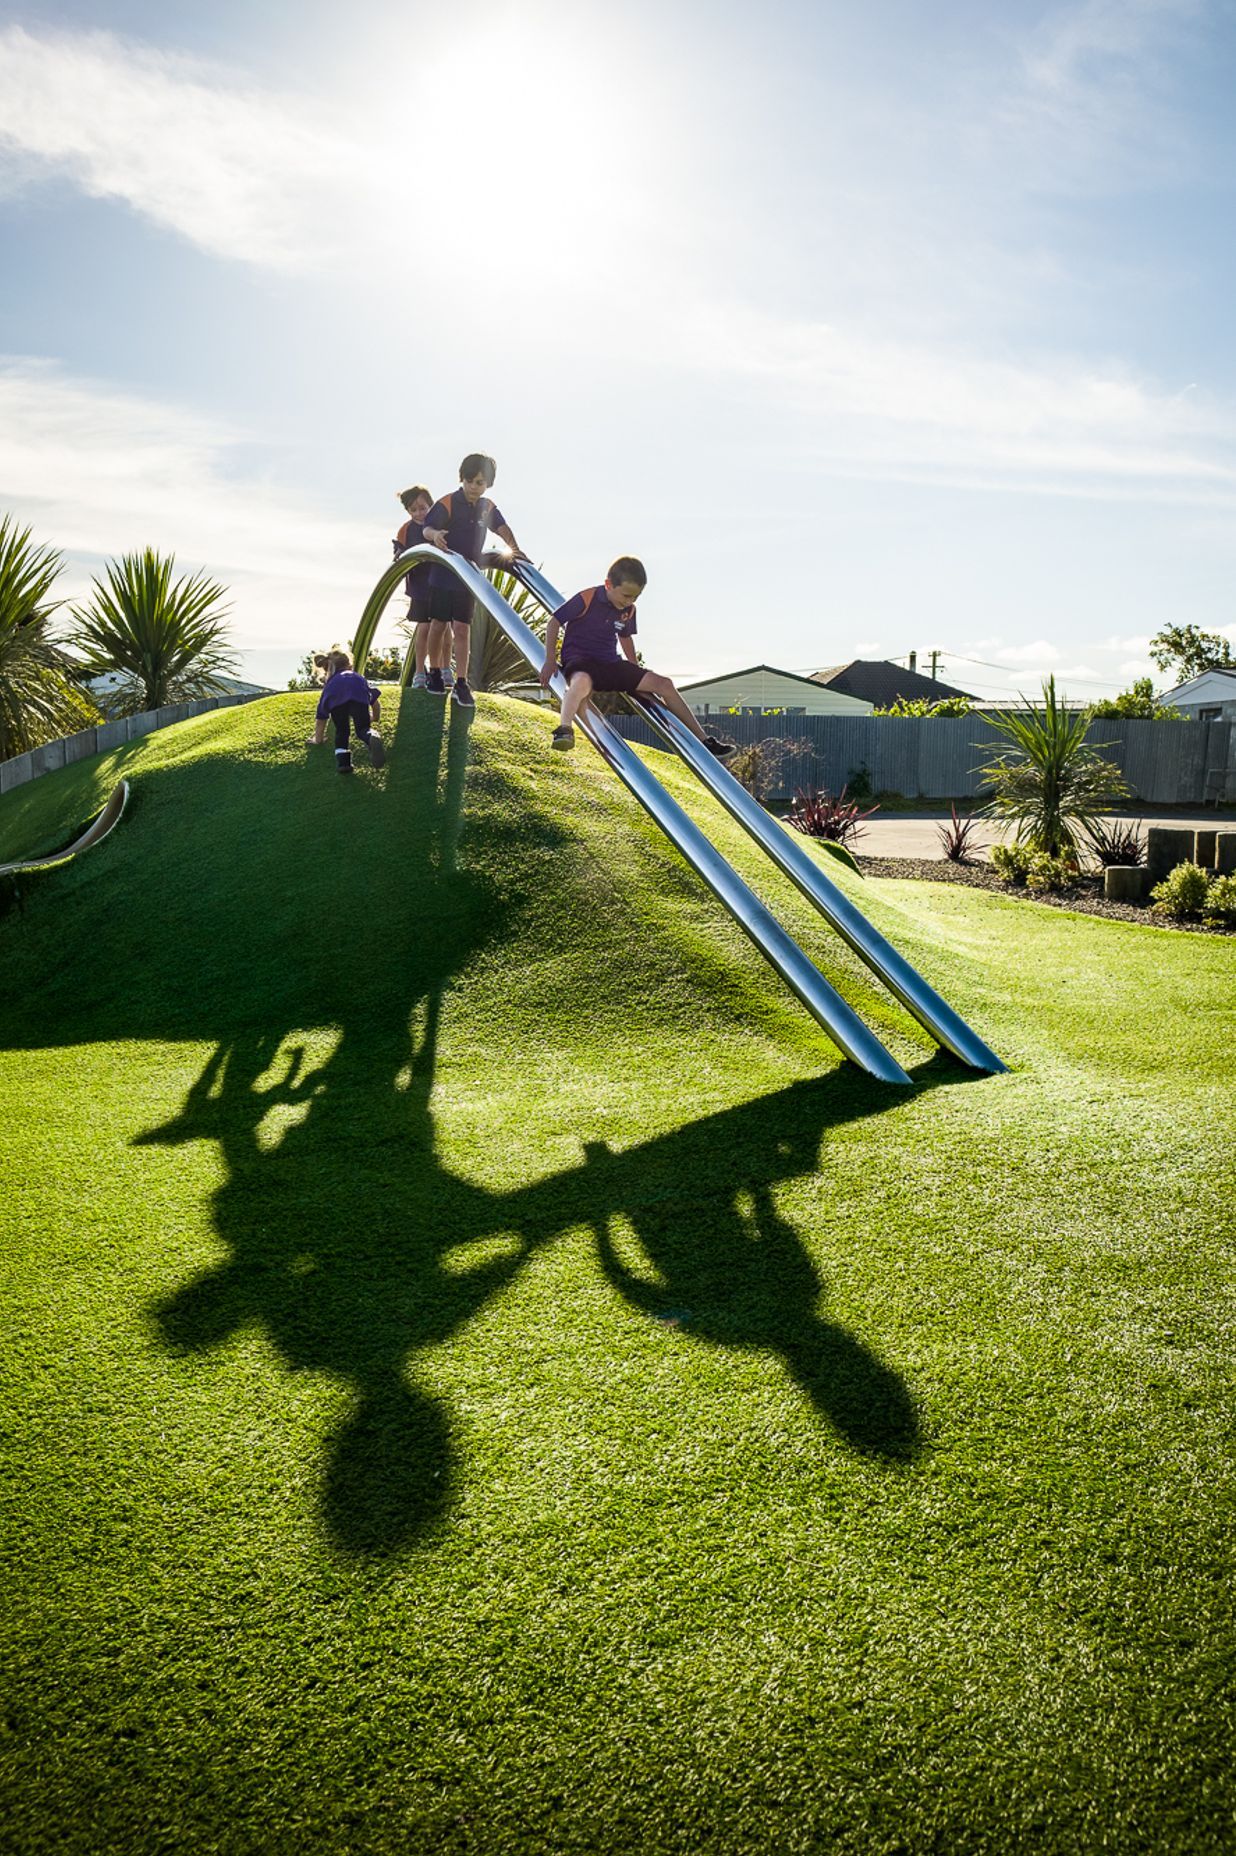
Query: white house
(1208,698)
(762,690)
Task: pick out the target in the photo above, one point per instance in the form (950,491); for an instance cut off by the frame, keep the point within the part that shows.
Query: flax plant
(1047,782)
(39,697)
(167,640)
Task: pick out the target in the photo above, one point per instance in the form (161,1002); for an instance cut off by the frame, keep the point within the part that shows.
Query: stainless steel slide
(825,1004)
(851,924)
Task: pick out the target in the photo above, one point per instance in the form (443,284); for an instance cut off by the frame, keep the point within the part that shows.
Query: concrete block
(1204,848)
(1126,883)
(16,772)
(109,735)
(1167,846)
(79,746)
(143,724)
(1225,852)
(47,759)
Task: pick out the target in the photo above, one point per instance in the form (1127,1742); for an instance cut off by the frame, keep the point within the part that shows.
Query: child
(596,622)
(457,524)
(418,502)
(349,702)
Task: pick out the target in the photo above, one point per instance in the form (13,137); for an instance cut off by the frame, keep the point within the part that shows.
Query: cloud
(99,473)
(237,171)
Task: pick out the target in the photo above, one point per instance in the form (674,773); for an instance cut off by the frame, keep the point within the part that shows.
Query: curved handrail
(902,980)
(94,833)
(825,1004)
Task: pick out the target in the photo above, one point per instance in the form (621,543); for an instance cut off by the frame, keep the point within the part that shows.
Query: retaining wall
(106,735)
(938,757)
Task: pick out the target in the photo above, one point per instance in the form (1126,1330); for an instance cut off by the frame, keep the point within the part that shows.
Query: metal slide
(851,924)
(827,1007)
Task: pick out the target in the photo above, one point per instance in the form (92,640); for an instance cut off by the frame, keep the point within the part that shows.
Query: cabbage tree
(165,639)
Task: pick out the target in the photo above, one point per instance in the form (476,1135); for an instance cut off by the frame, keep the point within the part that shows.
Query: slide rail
(838,1019)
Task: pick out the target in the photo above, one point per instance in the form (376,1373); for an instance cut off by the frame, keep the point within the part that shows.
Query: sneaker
(448,675)
(463,695)
(418,681)
(562,738)
(722,749)
(434,683)
(343,763)
(377,749)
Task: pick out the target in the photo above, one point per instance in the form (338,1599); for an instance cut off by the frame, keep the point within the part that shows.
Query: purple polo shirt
(345,686)
(593,632)
(466,525)
(411,535)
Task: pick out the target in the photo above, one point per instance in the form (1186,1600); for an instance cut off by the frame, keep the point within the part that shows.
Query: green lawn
(482,1375)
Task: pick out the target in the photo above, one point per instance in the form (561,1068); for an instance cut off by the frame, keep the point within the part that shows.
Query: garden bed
(1086,895)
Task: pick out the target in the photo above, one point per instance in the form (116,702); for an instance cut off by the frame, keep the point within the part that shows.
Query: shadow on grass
(348,1241)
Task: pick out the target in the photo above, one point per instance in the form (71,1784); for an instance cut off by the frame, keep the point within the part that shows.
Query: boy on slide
(458,524)
(594,624)
(350,703)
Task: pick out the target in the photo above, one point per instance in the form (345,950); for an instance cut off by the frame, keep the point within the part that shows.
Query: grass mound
(486,1376)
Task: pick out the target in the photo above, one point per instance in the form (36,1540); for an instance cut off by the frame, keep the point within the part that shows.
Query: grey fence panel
(16,772)
(938,757)
(80,746)
(53,755)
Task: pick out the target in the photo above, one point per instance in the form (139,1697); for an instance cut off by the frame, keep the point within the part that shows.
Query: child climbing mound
(594,624)
(350,703)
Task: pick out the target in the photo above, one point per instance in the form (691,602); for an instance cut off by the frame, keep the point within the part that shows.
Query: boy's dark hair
(626,567)
(408,497)
(475,462)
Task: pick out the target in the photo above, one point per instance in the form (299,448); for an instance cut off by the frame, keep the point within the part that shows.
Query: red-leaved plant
(820,814)
(956,837)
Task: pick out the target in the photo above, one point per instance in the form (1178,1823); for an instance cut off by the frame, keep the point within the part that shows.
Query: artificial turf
(483,1375)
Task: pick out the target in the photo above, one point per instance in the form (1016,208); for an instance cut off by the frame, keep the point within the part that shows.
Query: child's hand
(313,742)
(548,669)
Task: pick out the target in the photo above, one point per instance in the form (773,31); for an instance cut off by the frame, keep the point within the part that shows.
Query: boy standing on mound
(349,702)
(417,502)
(595,623)
(458,525)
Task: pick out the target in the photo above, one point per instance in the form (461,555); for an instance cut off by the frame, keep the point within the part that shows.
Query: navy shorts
(450,605)
(418,606)
(608,673)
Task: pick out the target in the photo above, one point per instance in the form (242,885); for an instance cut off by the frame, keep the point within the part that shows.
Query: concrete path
(917,834)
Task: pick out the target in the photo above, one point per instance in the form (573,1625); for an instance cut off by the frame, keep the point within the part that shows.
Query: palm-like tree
(166,639)
(495,663)
(39,697)
(1048,783)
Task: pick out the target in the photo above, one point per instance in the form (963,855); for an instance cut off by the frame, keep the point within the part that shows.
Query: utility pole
(914,660)
(935,658)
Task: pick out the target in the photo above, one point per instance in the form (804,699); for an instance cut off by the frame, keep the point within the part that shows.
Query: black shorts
(450,605)
(418,606)
(608,673)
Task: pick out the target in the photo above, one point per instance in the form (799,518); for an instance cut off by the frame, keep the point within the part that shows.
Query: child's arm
(628,650)
(436,537)
(504,531)
(319,733)
(551,651)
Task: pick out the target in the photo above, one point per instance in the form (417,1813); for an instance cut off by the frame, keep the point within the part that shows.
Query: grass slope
(483,1376)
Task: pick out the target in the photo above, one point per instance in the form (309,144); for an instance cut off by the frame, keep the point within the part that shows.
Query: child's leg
(342,719)
(579,689)
(650,684)
(420,645)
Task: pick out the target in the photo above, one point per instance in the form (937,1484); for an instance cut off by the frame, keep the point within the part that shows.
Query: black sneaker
(343,766)
(562,738)
(377,748)
(722,749)
(434,683)
(462,694)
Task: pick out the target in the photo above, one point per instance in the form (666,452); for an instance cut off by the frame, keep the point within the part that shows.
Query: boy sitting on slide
(594,624)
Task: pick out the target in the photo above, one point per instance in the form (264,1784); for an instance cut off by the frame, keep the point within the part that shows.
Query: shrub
(1011,862)
(166,640)
(955,837)
(858,782)
(1114,842)
(765,764)
(1051,873)
(919,705)
(1220,904)
(1048,782)
(818,814)
(1182,893)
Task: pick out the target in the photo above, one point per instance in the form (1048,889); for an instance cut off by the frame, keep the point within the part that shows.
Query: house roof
(1182,689)
(875,680)
(791,676)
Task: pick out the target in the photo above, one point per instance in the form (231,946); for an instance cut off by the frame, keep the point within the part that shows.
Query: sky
(869,327)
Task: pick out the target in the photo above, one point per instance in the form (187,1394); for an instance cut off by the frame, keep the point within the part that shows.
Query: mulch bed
(1086,896)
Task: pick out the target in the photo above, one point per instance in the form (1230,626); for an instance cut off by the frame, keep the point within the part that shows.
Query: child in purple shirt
(595,623)
(458,524)
(417,502)
(350,703)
